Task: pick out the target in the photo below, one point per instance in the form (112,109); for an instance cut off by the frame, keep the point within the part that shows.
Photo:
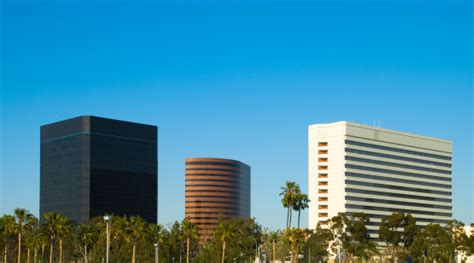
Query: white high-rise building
(360,168)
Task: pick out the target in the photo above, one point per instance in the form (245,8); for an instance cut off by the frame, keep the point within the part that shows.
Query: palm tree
(86,236)
(7,230)
(35,238)
(190,232)
(274,236)
(155,232)
(295,237)
(23,218)
(134,232)
(225,232)
(56,226)
(301,202)
(30,237)
(288,194)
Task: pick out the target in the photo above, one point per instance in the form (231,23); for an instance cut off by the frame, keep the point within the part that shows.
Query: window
(322,151)
(325,222)
(323,176)
(322,167)
(322,207)
(322,199)
(322,144)
(323,191)
(323,160)
(323,214)
(324,183)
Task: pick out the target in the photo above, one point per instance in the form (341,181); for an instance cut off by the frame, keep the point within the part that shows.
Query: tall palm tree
(190,232)
(7,230)
(301,202)
(224,233)
(134,232)
(86,236)
(56,226)
(23,218)
(30,237)
(288,194)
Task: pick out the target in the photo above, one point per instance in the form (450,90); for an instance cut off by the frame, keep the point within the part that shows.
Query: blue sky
(239,80)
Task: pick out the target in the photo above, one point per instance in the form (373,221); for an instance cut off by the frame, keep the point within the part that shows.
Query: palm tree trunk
(299,212)
(60,250)
(19,247)
(291,215)
(273,248)
(133,253)
(223,251)
(51,252)
(28,255)
(85,253)
(35,253)
(5,258)
(42,252)
(187,250)
(288,218)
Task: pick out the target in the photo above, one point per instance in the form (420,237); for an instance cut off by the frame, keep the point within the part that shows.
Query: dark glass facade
(92,166)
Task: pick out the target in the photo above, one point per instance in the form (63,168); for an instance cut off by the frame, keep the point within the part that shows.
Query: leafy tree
(359,244)
(457,239)
(316,247)
(398,232)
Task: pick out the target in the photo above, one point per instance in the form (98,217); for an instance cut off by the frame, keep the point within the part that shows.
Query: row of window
(417,197)
(208,174)
(235,165)
(211,180)
(398,165)
(212,213)
(386,148)
(418,219)
(391,179)
(389,156)
(364,207)
(208,191)
(232,187)
(394,187)
(213,169)
(384,201)
(233,197)
(387,171)
(213,202)
(213,207)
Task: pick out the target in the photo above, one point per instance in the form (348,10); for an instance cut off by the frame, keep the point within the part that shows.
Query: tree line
(132,239)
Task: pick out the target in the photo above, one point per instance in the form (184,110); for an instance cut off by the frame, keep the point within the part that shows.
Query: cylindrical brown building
(216,188)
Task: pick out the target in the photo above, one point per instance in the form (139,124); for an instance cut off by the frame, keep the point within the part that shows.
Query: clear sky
(240,80)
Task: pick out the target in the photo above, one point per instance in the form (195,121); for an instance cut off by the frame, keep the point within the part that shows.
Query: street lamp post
(156,253)
(107,219)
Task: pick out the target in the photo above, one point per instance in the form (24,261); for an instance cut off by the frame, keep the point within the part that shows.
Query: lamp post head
(107,218)
(156,244)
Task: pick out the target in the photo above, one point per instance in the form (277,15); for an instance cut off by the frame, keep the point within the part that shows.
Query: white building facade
(360,168)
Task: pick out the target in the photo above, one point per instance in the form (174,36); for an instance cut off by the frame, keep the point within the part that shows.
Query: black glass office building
(91,166)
